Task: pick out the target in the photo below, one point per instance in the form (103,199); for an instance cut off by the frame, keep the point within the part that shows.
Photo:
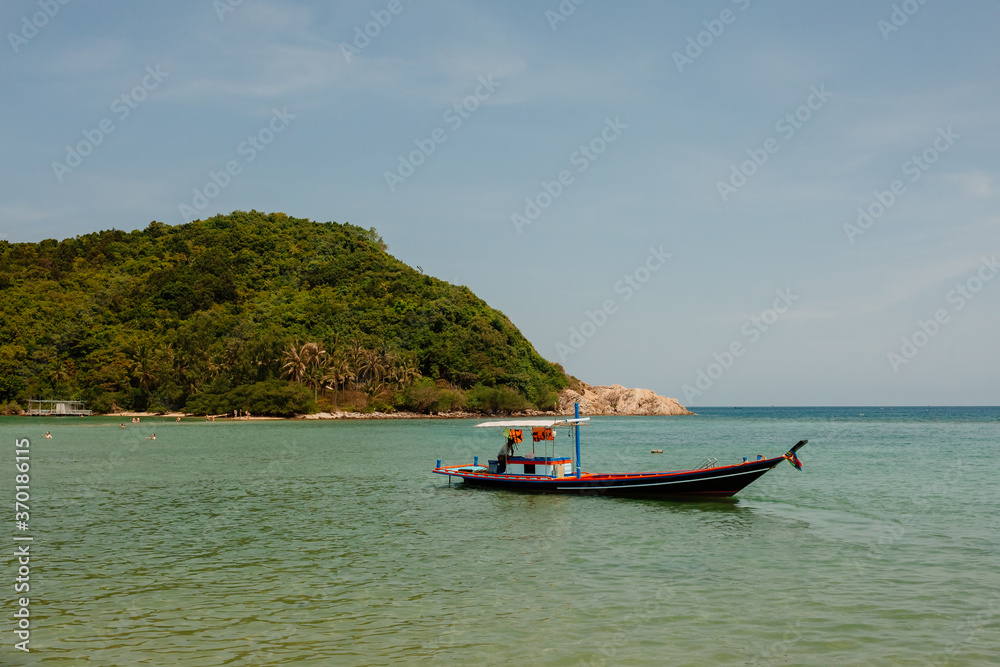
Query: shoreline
(339,415)
(316,416)
(593,400)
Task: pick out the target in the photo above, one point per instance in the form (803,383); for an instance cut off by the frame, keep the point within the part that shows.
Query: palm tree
(406,372)
(294,366)
(373,368)
(59,373)
(355,357)
(338,372)
(390,366)
(199,370)
(317,371)
(142,368)
(308,362)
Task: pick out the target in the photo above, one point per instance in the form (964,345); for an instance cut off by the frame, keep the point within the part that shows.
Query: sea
(332,543)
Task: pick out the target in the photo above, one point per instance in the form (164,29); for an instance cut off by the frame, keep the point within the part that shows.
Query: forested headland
(254,312)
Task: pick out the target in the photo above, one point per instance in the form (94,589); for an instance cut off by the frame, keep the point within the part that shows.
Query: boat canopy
(526,423)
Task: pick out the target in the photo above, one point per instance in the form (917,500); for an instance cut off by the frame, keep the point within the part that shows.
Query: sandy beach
(341,414)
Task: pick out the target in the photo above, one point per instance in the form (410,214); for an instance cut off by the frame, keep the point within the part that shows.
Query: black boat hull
(721,482)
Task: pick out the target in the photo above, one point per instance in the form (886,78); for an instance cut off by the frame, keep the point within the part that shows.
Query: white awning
(524,423)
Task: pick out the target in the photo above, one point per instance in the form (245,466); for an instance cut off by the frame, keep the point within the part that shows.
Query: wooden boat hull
(718,482)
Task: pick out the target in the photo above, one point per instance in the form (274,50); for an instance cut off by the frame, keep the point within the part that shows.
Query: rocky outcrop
(617,400)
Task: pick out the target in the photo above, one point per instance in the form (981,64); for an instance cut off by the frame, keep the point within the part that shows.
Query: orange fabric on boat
(539,433)
(516,435)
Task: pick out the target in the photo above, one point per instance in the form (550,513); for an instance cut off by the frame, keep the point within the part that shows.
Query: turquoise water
(267,543)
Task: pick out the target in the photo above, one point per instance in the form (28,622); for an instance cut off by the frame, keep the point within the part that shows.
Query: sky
(730,202)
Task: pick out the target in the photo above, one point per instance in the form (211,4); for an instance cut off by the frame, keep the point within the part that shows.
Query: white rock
(617,400)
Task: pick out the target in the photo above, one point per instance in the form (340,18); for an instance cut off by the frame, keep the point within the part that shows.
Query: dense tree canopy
(209,314)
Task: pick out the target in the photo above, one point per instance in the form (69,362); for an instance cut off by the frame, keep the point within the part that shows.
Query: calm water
(332,544)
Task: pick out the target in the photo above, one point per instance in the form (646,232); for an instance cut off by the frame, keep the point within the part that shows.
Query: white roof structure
(524,423)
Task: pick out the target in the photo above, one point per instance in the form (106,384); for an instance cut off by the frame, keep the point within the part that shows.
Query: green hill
(248,311)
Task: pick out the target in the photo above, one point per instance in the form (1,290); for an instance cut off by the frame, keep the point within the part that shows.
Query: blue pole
(439,463)
(475,461)
(576,413)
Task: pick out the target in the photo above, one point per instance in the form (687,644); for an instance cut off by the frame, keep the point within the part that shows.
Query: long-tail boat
(549,472)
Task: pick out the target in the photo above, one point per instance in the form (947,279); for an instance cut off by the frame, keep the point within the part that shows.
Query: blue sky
(729,202)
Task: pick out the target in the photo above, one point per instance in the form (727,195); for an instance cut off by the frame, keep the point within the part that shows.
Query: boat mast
(576,428)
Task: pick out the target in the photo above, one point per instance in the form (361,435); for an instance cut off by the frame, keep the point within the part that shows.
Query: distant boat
(551,473)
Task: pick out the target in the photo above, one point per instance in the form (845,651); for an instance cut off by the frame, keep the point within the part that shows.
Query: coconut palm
(317,370)
(59,373)
(406,372)
(307,362)
(294,366)
(373,368)
(312,353)
(142,367)
(355,356)
(338,372)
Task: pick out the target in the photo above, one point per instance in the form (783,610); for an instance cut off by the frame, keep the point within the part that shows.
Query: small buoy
(656,451)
